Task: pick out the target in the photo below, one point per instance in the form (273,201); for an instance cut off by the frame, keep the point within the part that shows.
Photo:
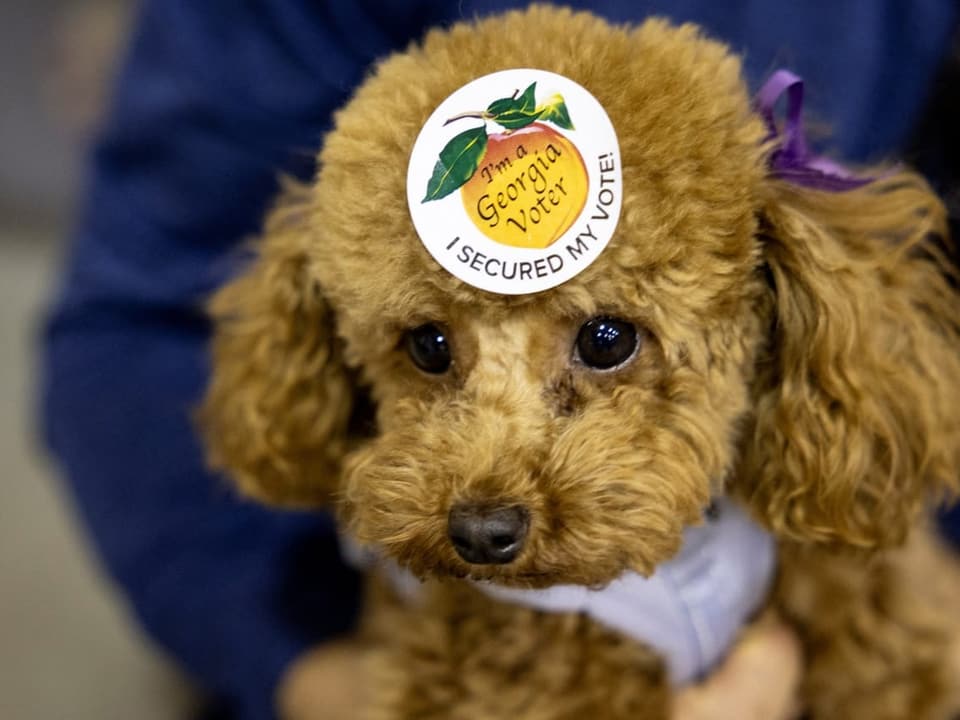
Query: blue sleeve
(215,99)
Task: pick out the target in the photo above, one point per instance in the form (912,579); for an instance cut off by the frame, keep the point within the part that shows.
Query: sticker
(514,183)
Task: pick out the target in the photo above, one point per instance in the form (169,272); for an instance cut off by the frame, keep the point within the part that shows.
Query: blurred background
(68,647)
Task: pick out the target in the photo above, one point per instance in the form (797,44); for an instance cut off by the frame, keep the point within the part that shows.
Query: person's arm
(215,100)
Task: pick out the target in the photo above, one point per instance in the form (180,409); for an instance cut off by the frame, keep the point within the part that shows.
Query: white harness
(690,609)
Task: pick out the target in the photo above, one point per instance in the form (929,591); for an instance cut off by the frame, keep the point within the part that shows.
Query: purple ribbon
(792,160)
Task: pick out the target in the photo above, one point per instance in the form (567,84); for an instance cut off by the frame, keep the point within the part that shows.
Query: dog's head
(739,335)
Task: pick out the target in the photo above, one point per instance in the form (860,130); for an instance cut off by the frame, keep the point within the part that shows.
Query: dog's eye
(605,342)
(428,348)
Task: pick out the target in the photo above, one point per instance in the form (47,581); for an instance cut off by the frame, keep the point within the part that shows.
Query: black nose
(488,536)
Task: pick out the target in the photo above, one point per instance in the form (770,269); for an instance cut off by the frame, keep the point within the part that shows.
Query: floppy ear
(858,402)
(276,411)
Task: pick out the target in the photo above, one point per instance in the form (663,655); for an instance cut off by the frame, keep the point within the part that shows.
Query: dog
(789,352)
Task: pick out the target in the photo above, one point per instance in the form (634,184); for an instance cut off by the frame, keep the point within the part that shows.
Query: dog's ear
(858,401)
(276,411)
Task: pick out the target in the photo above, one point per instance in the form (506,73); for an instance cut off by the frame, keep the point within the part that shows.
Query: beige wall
(68,649)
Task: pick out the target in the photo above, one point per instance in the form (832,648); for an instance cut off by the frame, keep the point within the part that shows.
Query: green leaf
(514,113)
(517,120)
(555,110)
(458,161)
(528,99)
(526,102)
(504,105)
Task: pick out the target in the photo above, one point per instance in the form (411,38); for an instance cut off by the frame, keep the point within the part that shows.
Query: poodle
(787,354)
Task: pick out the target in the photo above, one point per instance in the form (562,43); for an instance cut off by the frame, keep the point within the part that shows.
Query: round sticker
(514,183)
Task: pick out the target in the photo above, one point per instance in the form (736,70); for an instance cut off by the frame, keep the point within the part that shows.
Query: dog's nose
(488,536)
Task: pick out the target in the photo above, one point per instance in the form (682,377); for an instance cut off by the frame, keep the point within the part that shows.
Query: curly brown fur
(798,351)
(276,410)
(461,655)
(858,421)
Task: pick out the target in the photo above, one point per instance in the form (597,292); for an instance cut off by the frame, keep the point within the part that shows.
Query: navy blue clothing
(215,100)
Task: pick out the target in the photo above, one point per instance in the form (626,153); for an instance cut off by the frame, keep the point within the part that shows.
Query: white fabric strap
(690,609)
